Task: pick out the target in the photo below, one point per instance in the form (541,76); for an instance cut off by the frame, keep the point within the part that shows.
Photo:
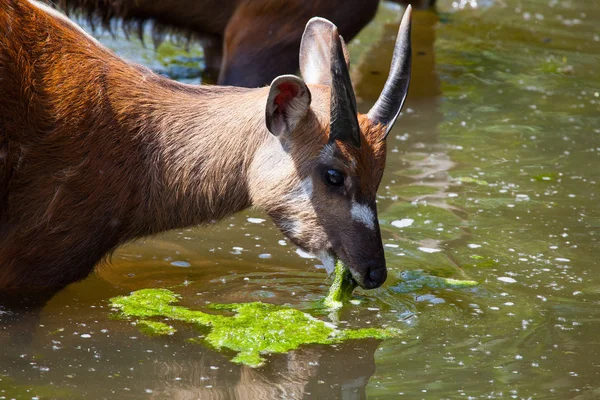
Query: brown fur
(242,38)
(98,151)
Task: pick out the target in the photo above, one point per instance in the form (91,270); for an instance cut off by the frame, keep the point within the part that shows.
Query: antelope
(96,151)
(241,38)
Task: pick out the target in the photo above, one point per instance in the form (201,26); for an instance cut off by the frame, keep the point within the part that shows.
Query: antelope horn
(387,108)
(344,123)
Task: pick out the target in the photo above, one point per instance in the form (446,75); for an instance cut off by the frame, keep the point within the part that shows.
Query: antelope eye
(334,177)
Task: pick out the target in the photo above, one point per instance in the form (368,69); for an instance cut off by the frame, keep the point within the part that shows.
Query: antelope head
(318,172)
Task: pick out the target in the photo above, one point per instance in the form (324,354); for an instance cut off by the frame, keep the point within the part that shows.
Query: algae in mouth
(254,330)
(343,285)
(341,289)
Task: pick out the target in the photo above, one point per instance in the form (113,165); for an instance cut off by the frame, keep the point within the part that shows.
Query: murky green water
(493,176)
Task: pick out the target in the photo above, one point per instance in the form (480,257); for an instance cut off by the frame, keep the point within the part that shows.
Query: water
(492,176)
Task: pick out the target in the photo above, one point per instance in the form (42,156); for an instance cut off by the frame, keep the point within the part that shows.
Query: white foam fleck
(506,279)
(429,250)
(403,223)
(182,264)
(256,220)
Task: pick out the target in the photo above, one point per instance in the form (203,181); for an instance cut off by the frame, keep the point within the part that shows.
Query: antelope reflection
(320,372)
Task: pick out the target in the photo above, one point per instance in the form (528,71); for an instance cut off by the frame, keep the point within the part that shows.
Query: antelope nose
(376,276)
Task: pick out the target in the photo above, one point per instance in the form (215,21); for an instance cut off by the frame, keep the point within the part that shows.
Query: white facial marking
(328,152)
(363,214)
(292,229)
(302,193)
(49,10)
(304,254)
(307,187)
(328,261)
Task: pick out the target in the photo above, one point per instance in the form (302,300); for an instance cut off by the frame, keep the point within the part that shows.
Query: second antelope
(96,151)
(241,38)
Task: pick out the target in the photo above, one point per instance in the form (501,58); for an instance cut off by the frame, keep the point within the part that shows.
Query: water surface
(492,176)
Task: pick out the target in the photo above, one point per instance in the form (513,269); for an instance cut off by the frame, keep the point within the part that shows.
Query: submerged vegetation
(416,280)
(11,389)
(255,328)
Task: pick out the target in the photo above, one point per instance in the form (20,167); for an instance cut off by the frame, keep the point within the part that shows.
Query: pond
(492,176)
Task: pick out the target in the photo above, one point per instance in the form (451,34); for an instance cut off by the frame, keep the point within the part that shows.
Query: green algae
(341,289)
(417,279)
(368,333)
(154,328)
(468,179)
(254,330)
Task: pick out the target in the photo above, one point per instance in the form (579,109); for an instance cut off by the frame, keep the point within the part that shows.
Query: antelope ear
(315,51)
(288,101)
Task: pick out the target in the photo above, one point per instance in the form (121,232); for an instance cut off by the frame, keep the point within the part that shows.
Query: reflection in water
(80,351)
(313,372)
(20,314)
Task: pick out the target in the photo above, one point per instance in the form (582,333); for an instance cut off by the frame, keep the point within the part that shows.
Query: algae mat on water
(254,330)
